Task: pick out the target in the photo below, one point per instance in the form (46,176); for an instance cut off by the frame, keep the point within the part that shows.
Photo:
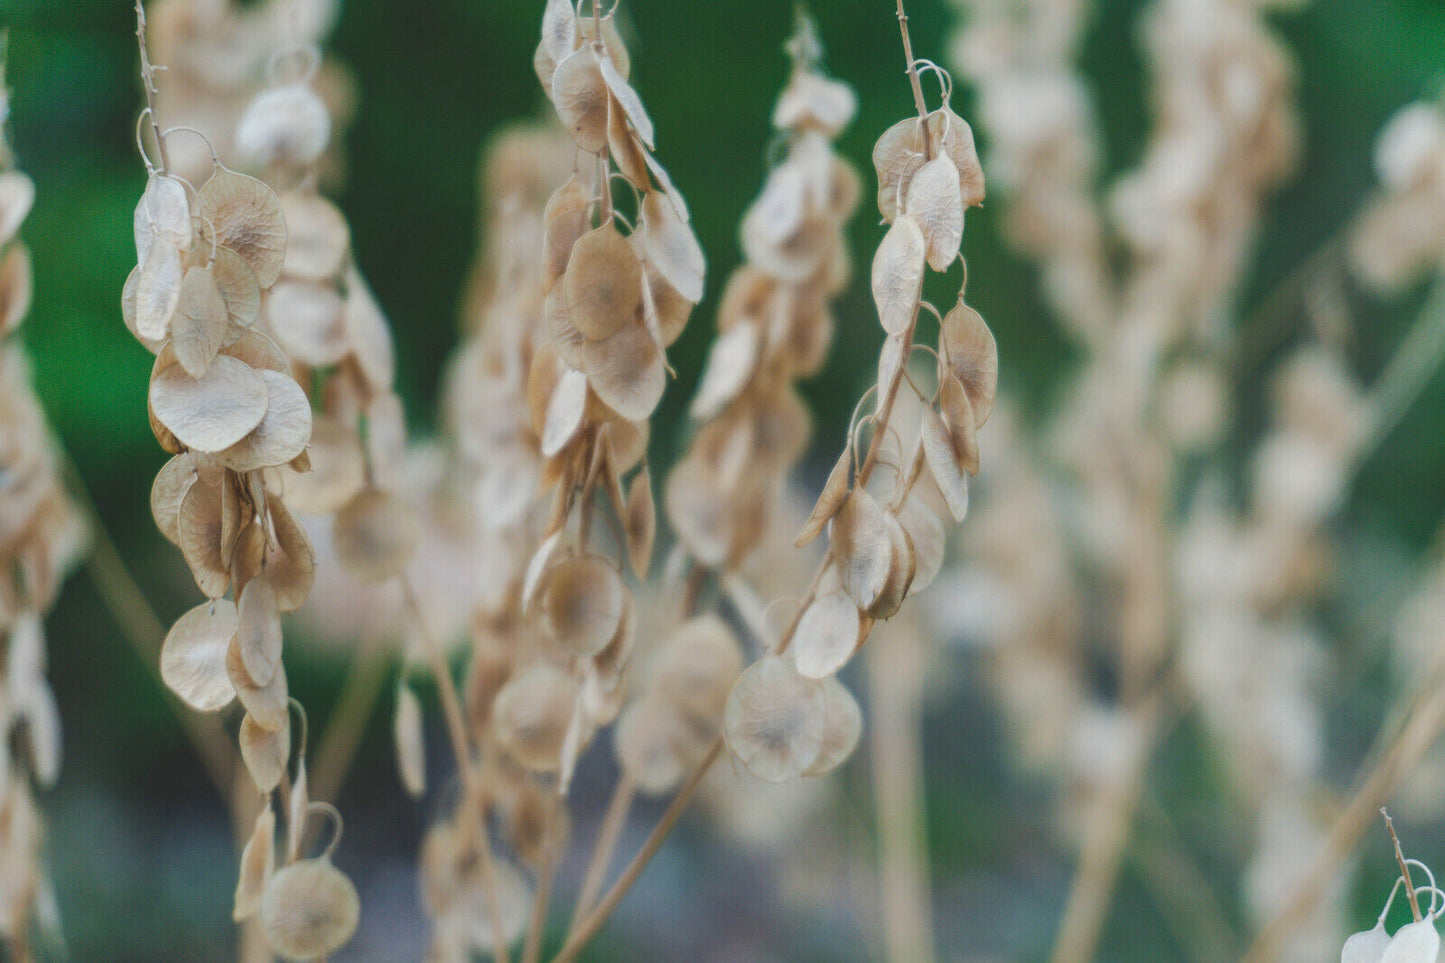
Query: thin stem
(578,940)
(1409,371)
(913,79)
(1404,867)
(537,924)
(620,805)
(148,81)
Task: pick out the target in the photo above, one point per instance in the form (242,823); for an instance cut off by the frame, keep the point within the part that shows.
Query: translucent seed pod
(309,910)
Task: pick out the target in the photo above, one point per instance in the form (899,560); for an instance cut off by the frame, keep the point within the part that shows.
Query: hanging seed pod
(972,353)
(730,366)
(1367,946)
(830,501)
(376,535)
(168,490)
(582,604)
(310,910)
(318,240)
(696,668)
(264,751)
(246,216)
(290,559)
(862,548)
(927,538)
(258,632)
(198,325)
(898,275)
(201,528)
(604,283)
(935,203)
(827,635)
(283,432)
(566,411)
(287,125)
(938,451)
(258,860)
(673,248)
(157,292)
(269,704)
(843,730)
(309,321)
(627,371)
(580,93)
(193,656)
(1416,942)
(240,291)
(163,214)
(649,742)
(408,736)
(213,412)
(532,713)
(962,423)
(775,719)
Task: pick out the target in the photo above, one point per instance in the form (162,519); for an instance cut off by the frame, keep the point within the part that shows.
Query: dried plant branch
(1404,867)
(605,846)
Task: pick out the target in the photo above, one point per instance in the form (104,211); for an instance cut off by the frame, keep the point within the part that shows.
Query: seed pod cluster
(788,716)
(1398,238)
(774,325)
(40,537)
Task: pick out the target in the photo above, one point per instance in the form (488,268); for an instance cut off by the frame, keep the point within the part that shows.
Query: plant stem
(1404,867)
(537,924)
(607,836)
(578,940)
(148,81)
(1411,365)
(366,677)
(914,82)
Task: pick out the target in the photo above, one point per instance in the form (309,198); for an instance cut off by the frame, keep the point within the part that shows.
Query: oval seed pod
(201,528)
(830,501)
(625,97)
(264,751)
(240,291)
(169,489)
(580,95)
(962,424)
(968,344)
(648,741)
(947,474)
(559,30)
(198,325)
(730,366)
(928,539)
(309,321)
(162,215)
(284,125)
(409,737)
(318,239)
(1416,942)
(213,412)
(246,215)
(898,275)
(258,860)
(1367,946)
(696,668)
(897,155)
(673,248)
(290,559)
(565,413)
(935,202)
(827,635)
(193,656)
(269,704)
(775,719)
(258,630)
(376,535)
(844,728)
(604,283)
(565,217)
(861,548)
(627,372)
(532,713)
(901,566)
(283,432)
(582,604)
(310,910)
(158,291)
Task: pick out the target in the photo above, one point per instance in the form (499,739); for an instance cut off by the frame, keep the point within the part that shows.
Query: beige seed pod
(828,634)
(935,202)
(861,548)
(627,371)
(246,216)
(566,411)
(264,751)
(582,604)
(928,538)
(158,291)
(611,39)
(649,742)
(283,432)
(269,704)
(668,308)
(309,322)
(730,366)
(631,104)
(376,535)
(168,490)
(129,309)
(901,566)
(338,468)
(604,283)
(200,525)
(198,325)
(369,334)
(310,910)
(193,656)
(622,142)
(673,247)
(639,523)
(213,412)
(258,860)
(610,665)
(532,713)
(696,667)
(539,565)
(318,240)
(290,560)
(815,102)
(565,217)
(410,742)
(287,125)
(580,94)
(843,730)
(972,353)
(830,501)
(559,30)
(898,275)
(898,155)
(16,288)
(163,214)
(947,474)
(962,423)
(240,290)
(258,631)
(776,719)
(258,351)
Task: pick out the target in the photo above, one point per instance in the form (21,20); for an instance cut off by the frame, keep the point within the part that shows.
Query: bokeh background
(139,843)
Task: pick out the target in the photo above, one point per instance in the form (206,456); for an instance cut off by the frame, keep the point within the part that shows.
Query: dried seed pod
(862,548)
(566,411)
(240,290)
(843,730)
(696,668)
(827,635)
(962,423)
(310,910)
(408,736)
(268,705)
(899,154)
(198,325)
(1416,942)
(565,217)
(649,741)
(162,215)
(900,571)
(640,523)
(898,275)
(318,240)
(258,860)
(972,353)
(376,535)
(604,283)
(258,631)
(935,202)
(258,351)
(532,713)
(193,656)
(730,366)
(157,292)
(169,489)
(947,474)
(265,752)
(928,539)
(290,560)
(286,125)
(582,604)
(776,719)
(627,371)
(201,526)
(559,31)
(830,501)
(247,219)
(309,321)
(369,335)
(673,248)
(283,431)
(213,412)
(580,94)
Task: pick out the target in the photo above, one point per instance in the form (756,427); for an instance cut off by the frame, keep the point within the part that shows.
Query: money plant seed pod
(309,910)
(1367,946)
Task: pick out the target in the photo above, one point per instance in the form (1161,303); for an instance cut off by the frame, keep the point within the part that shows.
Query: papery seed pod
(286,125)
(246,217)
(649,741)
(310,909)
(1367,946)
(269,704)
(283,432)
(1416,942)
(376,535)
(582,604)
(898,275)
(213,412)
(580,93)
(935,203)
(258,631)
(828,634)
(776,720)
(696,667)
(861,548)
(968,344)
(265,751)
(843,730)
(531,715)
(193,656)
(258,860)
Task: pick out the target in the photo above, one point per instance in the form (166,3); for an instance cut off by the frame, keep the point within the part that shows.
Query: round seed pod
(284,125)
(246,216)
(649,742)
(531,715)
(776,719)
(697,665)
(843,729)
(310,910)
(582,604)
(193,657)
(827,635)
(376,535)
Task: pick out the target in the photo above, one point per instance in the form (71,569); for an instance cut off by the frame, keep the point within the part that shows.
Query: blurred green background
(139,842)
